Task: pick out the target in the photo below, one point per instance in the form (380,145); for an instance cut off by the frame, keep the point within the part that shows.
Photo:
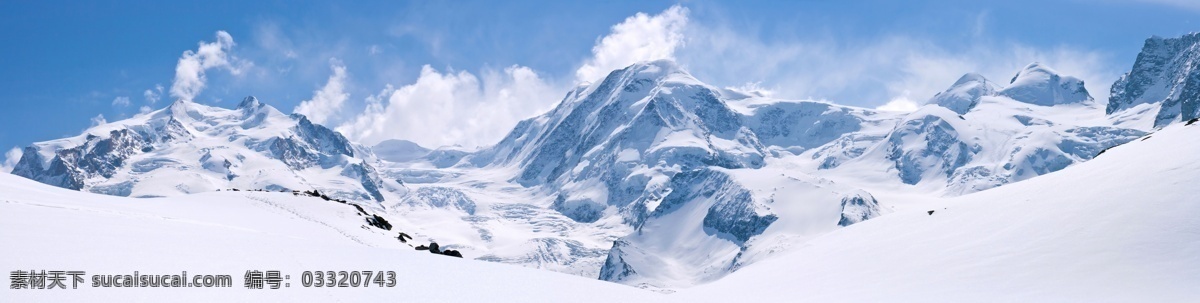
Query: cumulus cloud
(99,120)
(10,159)
(327,102)
(190,71)
(153,95)
(641,37)
(899,104)
(448,108)
(120,101)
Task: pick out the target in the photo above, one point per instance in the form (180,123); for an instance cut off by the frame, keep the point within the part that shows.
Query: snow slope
(1119,228)
(49,228)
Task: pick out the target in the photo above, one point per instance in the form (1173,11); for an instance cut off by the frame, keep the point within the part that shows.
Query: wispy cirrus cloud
(895,68)
(153,95)
(121,101)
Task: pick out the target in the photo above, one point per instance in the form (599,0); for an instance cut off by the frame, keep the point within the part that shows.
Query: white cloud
(639,38)
(144,109)
(453,107)
(10,159)
(98,120)
(327,102)
(873,72)
(190,71)
(899,104)
(121,101)
(153,95)
(374,50)
(752,89)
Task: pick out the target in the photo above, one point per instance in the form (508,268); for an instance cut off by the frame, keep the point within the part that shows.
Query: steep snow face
(606,144)
(713,221)
(964,94)
(928,143)
(1165,76)
(796,126)
(189,148)
(1039,85)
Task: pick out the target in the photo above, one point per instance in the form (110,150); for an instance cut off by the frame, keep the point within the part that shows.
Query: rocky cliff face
(1165,77)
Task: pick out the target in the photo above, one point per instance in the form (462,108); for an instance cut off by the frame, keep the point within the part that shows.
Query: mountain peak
(1039,84)
(1163,74)
(249,102)
(964,94)
(1035,69)
(969,78)
(655,70)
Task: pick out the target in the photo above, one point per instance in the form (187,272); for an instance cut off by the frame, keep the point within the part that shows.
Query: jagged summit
(249,102)
(1040,85)
(1164,83)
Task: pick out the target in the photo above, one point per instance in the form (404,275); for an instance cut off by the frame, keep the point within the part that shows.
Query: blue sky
(465,72)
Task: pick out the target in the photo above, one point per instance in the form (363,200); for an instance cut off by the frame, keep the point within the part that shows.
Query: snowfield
(49,228)
(1120,228)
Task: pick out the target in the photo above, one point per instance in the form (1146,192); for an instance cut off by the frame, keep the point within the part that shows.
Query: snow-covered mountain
(609,143)
(620,159)
(1118,228)
(662,181)
(1163,87)
(975,136)
(1038,84)
(965,93)
(191,148)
